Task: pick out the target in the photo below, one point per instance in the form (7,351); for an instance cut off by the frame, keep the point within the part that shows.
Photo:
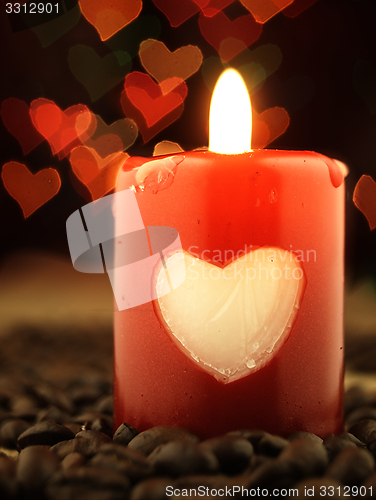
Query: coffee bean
(271,445)
(253,436)
(8,481)
(179,458)
(233,453)
(10,430)
(120,458)
(73,461)
(44,433)
(48,395)
(352,466)
(88,483)
(335,444)
(354,398)
(306,456)
(147,441)
(105,404)
(362,429)
(53,413)
(88,442)
(124,434)
(362,413)
(273,473)
(304,435)
(36,465)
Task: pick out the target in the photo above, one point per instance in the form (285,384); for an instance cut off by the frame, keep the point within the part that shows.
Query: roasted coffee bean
(85,442)
(271,445)
(362,413)
(179,458)
(363,429)
(105,404)
(44,433)
(122,459)
(36,465)
(354,398)
(48,395)
(335,444)
(151,489)
(251,435)
(24,405)
(54,413)
(273,473)
(147,441)
(304,435)
(73,461)
(233,453)
(10,431)
(352,466)
(124,434)
(75,428)
(306,456)
(8,481)
(86,395)
(88,483)
(103,424)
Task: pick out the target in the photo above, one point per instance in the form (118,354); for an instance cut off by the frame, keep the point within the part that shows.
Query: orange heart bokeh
(267,126)
(60,128)
(162,64)
(153,107)
(110,17)
(364,198)
(178,11)
(16,117)
(228,37)
(99,175)
(263,10)
(30,191)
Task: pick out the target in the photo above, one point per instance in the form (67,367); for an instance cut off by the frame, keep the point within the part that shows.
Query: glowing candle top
(230,121)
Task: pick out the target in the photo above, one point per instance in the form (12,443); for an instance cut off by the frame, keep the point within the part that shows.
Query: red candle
(253,337)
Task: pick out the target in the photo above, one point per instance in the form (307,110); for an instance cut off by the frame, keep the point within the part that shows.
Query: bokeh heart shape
(364,198)
(108,139)
(98,74)
(110,17)
(15,114)
(269,125)
(31,191)
(152,106)
(263,10)
(229,37)
(99,175)
(179,11)
(162,64)
(60,128)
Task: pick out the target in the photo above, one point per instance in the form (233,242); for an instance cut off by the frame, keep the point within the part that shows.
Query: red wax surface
(287,199)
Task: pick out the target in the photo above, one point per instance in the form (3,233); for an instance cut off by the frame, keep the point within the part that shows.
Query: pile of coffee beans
(57,440)
(59,445)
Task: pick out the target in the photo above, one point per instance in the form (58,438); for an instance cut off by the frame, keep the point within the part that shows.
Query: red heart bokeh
(228,37)
(99,175)
(30,191)
(60,128)
(364,198)
(16,117)
(179,11)
(153,107)
(267,126)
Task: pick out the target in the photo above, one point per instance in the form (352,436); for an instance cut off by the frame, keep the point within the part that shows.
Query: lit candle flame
(230,122)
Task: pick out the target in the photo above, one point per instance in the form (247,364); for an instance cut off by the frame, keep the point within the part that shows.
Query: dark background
(326,82)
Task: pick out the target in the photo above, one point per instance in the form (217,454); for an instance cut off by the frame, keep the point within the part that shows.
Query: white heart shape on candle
(231,321)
